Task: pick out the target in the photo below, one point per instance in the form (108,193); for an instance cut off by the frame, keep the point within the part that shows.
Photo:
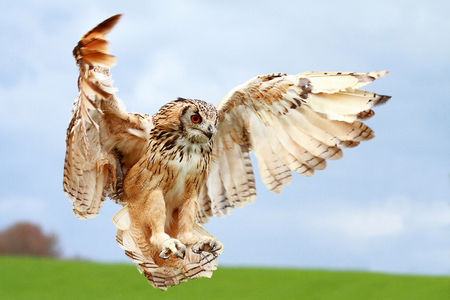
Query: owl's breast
(188,177)
(178,171)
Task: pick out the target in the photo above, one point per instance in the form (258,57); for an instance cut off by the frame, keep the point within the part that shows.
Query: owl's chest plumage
(186,174)
(174,165)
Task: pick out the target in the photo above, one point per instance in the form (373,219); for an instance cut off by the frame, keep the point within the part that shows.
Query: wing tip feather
(382,100)
(96,52)
(103,28)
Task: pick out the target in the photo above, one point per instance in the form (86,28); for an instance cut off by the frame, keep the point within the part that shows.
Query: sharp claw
(216,249)
(212,244)
(172,247)
(164,256)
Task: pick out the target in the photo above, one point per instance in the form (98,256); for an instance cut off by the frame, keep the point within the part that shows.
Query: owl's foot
(208,244)
(188,238)
(172,246)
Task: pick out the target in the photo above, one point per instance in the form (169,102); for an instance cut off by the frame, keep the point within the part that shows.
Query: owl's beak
(209,133)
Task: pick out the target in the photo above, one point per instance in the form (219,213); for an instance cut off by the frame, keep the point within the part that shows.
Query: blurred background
(383,207)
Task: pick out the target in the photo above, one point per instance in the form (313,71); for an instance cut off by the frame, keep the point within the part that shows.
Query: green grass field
(35,278)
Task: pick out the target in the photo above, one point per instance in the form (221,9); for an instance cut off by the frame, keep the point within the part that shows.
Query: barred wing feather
(291,123)
(100,129)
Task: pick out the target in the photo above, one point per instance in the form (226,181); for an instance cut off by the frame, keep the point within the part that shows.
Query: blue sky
(384,207)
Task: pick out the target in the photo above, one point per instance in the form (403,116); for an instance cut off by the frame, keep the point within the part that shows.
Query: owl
(174,170)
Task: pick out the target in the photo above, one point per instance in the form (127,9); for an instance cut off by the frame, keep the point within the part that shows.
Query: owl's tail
(162,273)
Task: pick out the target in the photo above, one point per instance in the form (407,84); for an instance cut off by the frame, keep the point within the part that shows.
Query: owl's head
(195,120)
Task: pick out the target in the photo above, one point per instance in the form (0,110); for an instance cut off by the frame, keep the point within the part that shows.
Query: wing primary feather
(239,174)
(102,29)
(291,122)
(309,141)
(305,157)
(275,172)
(100,129)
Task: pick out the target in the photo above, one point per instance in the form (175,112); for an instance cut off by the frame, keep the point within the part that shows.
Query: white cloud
(392,217)
(386,235)
(360,223)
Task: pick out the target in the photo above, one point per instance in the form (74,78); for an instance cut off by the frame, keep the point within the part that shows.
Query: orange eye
(196,119)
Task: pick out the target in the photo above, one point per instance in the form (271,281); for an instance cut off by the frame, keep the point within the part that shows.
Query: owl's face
(194,120)
(199,121)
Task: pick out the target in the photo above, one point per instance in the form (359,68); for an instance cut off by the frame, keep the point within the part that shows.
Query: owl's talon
(217,248)
(177,254)
(208,244)
(163,256)
(172,246)
(212,244)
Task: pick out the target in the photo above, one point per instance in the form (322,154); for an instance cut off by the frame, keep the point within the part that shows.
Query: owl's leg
(186,219)
(154,215)
(187,236)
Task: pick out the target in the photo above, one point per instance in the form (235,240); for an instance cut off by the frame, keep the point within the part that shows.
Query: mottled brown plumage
(190,161)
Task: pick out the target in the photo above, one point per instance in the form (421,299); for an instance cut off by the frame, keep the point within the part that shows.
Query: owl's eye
(196,119)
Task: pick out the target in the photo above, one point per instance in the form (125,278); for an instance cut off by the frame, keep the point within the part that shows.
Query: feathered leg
(149,213)
(162,273)
(186,235)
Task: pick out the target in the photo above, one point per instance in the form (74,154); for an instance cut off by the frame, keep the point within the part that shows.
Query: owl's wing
(289,122)
(103,141)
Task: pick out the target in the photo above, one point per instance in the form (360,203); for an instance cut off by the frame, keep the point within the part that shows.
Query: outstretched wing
(290,123)
(103,141)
